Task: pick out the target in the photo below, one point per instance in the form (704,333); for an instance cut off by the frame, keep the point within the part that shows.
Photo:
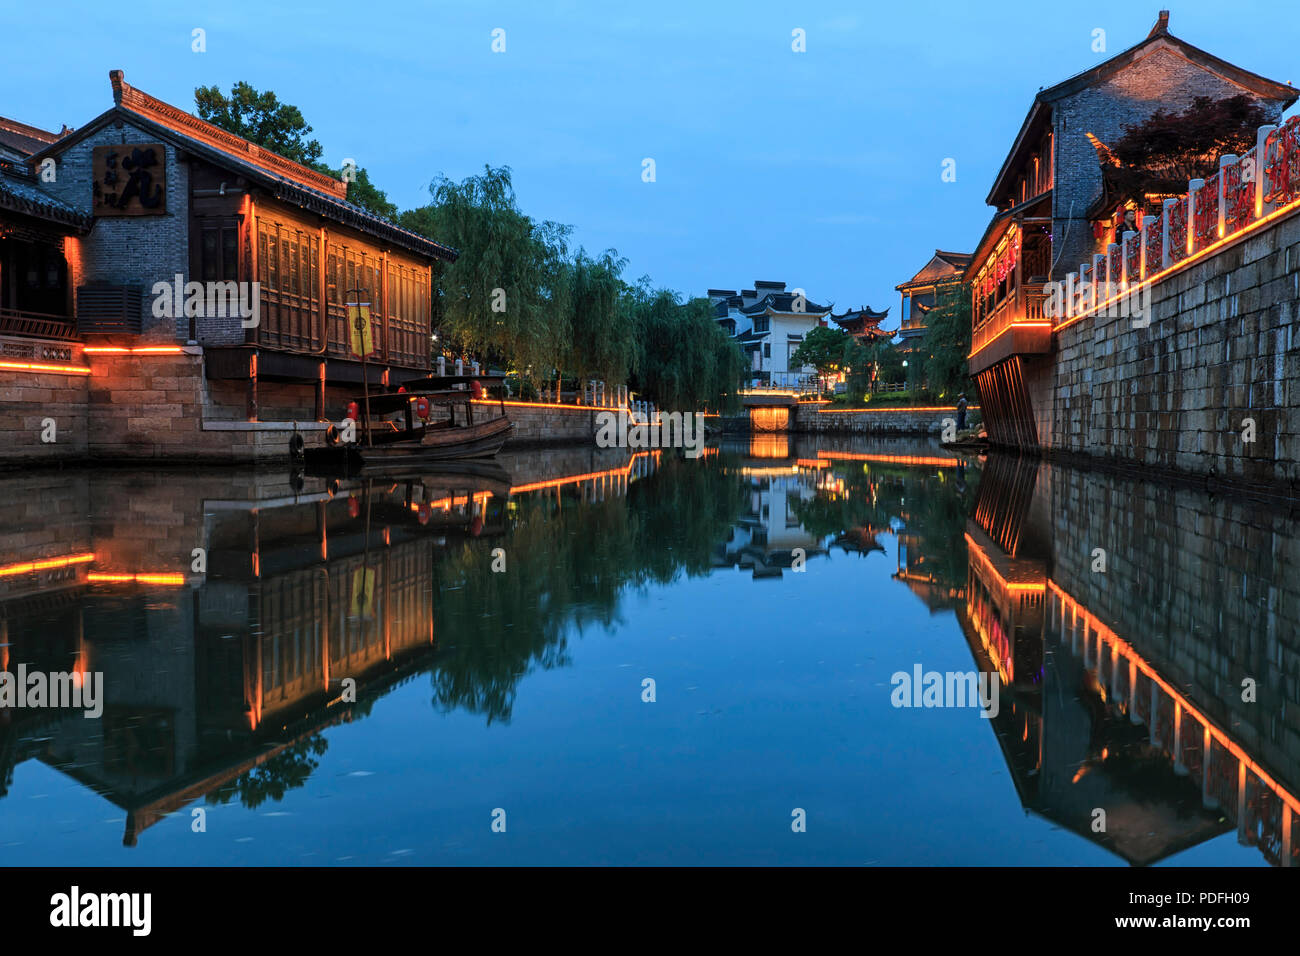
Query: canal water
(594,657)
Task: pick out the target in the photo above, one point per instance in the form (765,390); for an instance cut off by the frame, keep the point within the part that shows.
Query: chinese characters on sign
(130,180)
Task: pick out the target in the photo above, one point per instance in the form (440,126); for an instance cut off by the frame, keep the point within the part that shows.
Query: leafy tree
(1161,154)
(824,349)
(601,343)
(685,362)
(506,297)
(280,127)
(260,118)
(947,343)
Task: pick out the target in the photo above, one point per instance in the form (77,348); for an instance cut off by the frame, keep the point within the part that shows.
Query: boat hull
(478,441)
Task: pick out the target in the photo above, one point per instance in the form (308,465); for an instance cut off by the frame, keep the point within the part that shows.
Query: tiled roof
(783,302)
(19,193)
(283,178)
(22,138)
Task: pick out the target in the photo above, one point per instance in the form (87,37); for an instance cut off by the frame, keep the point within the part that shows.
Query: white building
(769,324)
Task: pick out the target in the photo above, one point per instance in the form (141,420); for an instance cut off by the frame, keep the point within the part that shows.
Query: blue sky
(820,168)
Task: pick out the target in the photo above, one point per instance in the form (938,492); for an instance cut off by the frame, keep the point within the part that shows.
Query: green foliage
(571,566)
(822,348)
(260,118)
(362,192)
(273,778)
(943,364)
(685,361)
(280,127)
(601,337)
(506,297)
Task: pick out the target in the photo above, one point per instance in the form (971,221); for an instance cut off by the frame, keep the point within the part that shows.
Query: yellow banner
(359,325)
(363,592)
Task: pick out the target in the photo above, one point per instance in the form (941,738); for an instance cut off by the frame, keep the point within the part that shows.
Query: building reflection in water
(1168,750)
(1122,688)
(307,601)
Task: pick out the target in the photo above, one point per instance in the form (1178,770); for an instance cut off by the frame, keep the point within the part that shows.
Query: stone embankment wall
(1220,353)
(882,421)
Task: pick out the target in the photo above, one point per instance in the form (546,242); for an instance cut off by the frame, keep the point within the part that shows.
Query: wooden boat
(471,429)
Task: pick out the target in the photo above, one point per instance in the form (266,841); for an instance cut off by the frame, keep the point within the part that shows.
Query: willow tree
(506,298)
(601,336)
(685,361)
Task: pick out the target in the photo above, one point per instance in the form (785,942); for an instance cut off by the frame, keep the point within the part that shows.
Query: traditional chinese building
(769,324)
(1049,185)
(204,283)
(939,277)
(863,324)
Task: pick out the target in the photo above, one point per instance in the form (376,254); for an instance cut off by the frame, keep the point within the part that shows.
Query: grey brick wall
(129,250)
(1160,80)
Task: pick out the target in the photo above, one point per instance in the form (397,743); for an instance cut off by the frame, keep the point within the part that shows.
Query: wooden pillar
(251,403)
(320,392)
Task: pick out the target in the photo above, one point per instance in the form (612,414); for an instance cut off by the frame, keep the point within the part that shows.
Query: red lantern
(476,526)
(422,407)
(353,410)
(354,506)
(423,513)
(476,389)
(401,389)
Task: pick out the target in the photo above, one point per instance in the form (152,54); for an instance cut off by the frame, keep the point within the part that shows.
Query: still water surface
(523,690)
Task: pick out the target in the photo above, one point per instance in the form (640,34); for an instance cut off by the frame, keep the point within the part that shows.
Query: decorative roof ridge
(187,124)
(33,132)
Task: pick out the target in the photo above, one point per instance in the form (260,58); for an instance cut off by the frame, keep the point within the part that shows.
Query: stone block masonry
(1217,367)
(133,407)
(809,417)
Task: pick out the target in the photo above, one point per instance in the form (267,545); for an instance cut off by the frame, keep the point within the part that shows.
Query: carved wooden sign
(130,180)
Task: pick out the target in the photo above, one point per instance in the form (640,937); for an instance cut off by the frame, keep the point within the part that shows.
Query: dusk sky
(821,168)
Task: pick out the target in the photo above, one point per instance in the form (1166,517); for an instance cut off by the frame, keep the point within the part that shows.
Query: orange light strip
(1010,326)
(517,404)
(891,459)
(143,350)
(1127,650)
(38,367)
(29,566)
(900,408)
(625,472)
(1198,254)
(446,504)
(149,577)
(987,564)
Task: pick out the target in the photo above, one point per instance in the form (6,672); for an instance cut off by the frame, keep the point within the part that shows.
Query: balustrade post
(1068,298)
(1112,282)
(1099,294)
(1224,163)
(1262,186)
(1194,200)
(1123,257)
(1142,248)
(1166,260)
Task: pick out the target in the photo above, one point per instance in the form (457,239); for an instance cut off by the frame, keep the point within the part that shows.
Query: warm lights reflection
(160,577)
(27,567)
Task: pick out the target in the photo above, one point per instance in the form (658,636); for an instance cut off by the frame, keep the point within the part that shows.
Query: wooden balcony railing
(1026,306)
(37,325)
